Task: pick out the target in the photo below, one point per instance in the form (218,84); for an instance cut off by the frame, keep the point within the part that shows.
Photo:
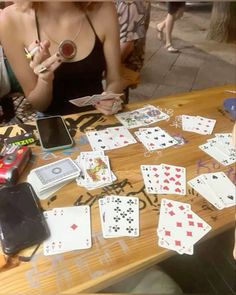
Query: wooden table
(110,260)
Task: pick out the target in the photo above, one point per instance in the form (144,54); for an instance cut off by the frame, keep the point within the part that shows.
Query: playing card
(182,229)
(91,100)
(97,170)
(70,229)
(120,216)
(188,122)
(151,175)
(200,186)
(222,187)
(141,117)
(155,138)
(172,179)
(218,154)
(204,125)
(110,138)
(197,124)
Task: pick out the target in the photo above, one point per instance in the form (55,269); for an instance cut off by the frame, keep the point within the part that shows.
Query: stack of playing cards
(70,229)
(95,169)
(155,138)
(49,178)
(119,216)
(110,138)
(164,179)
(92,100)
(220,148)
(179,228)
(141,117)
(216,188)
(197,124)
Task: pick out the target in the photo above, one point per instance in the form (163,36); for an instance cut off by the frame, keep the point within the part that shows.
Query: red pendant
(67,49)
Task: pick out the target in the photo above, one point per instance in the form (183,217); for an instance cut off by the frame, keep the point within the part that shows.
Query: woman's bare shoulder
(13,20)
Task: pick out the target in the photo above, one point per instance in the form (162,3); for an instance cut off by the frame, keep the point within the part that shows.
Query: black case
(22,223)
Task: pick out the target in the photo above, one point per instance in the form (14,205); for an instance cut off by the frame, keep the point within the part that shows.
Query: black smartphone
(22,223)
(53,133)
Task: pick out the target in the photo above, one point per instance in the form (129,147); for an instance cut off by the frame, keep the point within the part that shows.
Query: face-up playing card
(204,125)
(218,154)
(151,175)
(110,138)
(119,216)
(172,179)
(188,122)
(155,138)
(222,187)
(141,117)
(70,229)
(179,228)
(200,186)
(97,170)
(197,124)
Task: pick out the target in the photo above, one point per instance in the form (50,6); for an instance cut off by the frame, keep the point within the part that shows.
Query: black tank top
(77,79)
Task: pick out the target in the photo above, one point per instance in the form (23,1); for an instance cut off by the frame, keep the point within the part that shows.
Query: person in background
(175,11)
(60,50)
(134,17)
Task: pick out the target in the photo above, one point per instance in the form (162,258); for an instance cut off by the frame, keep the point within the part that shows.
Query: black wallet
(22,223)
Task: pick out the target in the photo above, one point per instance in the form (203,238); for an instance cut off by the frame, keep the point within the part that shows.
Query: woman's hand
(109,106)
(42,63)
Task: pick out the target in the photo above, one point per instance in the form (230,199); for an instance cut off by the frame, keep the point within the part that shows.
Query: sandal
(171,49)
(159,33)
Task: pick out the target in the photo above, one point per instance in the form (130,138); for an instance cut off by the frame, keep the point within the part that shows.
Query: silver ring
(39,69)
(115,105)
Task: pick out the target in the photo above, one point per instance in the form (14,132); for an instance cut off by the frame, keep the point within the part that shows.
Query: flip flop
(160,34)
(171,49)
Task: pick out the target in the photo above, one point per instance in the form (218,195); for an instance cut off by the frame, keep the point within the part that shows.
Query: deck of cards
(95,170)
(70,229)
(220,148)
(164,179)
(216,188)
(49,178)
(197,124)
(179,228)
(119,216)
(110,138)
(155,138)
(141,117)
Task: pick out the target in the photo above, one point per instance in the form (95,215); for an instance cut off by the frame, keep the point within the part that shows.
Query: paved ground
(200,64)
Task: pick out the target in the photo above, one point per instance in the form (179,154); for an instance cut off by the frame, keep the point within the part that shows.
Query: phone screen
(53,133)
(22,223)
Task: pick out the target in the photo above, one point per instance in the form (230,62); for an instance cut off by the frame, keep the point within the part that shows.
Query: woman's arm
(13,28)
(108,16)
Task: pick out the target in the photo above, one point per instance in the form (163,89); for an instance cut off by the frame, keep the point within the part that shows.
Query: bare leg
(170,20)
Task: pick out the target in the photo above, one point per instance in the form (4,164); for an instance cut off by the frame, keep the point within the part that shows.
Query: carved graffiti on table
(119,188)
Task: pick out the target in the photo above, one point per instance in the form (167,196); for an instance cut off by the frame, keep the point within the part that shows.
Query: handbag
(5,85)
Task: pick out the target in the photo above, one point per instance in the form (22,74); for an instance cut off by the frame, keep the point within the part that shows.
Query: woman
(175,11)
(54,72)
